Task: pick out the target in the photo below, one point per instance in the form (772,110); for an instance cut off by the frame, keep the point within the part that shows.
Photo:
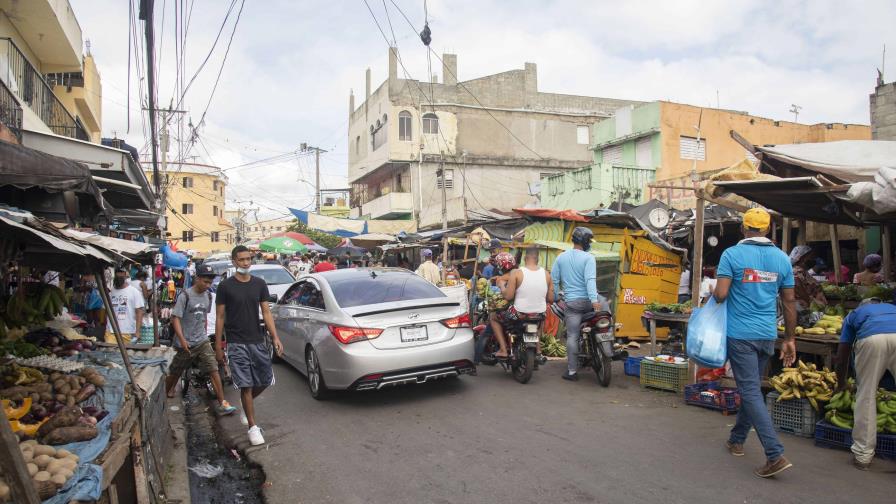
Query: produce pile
(46,406)
(551,347)
(494,301)
(828,324)
(32,304)
(48,467)
(685,307)
(848,292)
(805,381)
(840,410)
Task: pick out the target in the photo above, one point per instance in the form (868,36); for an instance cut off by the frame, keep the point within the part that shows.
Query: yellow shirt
(430,272)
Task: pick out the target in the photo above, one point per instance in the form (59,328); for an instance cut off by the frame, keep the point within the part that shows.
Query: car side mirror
(272,298)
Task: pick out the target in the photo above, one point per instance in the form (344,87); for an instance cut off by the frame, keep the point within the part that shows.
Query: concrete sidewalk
(490,439)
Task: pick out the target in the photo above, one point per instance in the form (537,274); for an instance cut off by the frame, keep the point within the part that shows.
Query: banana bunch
(840,410)
(23,309)
(807,381)
(828,324)
(551,347)
(50,301)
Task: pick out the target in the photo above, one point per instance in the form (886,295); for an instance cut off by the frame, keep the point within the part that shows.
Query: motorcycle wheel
(488,353)
(523,364)
(601,364)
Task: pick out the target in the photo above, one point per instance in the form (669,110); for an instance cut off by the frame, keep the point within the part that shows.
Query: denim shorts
(250,364)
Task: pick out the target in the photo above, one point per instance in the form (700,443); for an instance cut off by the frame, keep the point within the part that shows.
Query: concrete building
(883,111)
(656,143)
(262,229)
(195,213)
(497,137)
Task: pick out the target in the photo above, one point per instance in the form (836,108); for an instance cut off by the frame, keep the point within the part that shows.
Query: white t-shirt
(706,284)
(125,302)
(303,268)
(684,282)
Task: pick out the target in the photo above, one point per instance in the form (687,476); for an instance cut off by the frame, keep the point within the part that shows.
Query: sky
(291,65)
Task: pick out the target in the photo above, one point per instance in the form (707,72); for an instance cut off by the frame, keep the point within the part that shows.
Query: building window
(187,236)
(612,155)
(404,126)
(430,124)
(214,185)
(187,182)
(644,153)
(215,210)
(358,145)
(378,134)
(689,148)
(216,236)
(449,180)
(186,208)
(582,135)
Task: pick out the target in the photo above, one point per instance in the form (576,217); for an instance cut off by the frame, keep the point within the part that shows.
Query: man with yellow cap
(749,277)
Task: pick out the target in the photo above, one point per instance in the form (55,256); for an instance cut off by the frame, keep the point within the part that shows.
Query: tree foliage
(323,239)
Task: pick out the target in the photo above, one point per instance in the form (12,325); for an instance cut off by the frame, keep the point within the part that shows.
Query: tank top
(530,295)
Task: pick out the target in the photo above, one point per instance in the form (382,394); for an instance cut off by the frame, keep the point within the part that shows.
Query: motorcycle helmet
(582,236)
(505,262)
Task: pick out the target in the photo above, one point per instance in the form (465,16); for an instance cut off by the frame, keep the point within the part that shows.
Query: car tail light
(457,322)
(603,324)
(372,377)
(347,335)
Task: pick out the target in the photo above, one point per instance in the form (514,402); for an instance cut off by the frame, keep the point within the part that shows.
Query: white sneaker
(243,419)
(255,437)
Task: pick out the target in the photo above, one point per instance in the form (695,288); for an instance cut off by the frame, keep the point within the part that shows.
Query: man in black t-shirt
(238,300)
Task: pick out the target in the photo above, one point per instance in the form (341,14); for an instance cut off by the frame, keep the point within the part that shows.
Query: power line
(221,69)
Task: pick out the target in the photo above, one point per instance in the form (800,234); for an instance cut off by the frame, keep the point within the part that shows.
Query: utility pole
(464,183)
(317,150)
(795,110)
(441,174)
(146,14)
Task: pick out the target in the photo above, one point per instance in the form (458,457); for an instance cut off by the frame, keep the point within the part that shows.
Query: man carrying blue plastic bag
(750,276)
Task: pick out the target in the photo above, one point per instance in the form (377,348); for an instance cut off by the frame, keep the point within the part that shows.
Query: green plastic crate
(664,376)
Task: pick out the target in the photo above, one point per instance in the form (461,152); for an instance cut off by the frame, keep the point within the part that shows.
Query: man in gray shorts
(239,299)
(188,319)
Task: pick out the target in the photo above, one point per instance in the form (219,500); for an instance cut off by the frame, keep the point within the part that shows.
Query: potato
(60,398)
(68,473)
(32,469)
(54,466)
(63,453)
(59,479)
(44,450)
(30,442)
(46,396)
(42,460)
(67,464)
(27,455)
(58,383)
(35,397)
(65,389)
(42,476)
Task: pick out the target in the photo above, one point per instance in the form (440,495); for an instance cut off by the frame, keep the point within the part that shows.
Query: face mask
(90,285)
(118,282)
(242,271)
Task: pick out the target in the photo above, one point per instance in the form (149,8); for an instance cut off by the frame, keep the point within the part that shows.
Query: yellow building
(195,211)
(261,229)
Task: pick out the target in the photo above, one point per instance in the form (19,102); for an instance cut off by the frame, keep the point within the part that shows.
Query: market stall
(77,422)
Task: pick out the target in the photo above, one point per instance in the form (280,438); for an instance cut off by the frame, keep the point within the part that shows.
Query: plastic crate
(793,416)
(831,436)
(664,376)
(633,366)
(713,396)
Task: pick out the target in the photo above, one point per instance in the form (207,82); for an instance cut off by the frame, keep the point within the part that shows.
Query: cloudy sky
(291,65)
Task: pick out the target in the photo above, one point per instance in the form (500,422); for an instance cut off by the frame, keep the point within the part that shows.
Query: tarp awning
(550,213)
(600,255)
(800,197)
(46,250)
(845,161)
(128,248)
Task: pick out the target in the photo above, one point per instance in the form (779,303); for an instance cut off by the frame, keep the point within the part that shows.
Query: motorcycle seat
(531,317)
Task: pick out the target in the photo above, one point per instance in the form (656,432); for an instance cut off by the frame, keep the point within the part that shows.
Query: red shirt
(324,266)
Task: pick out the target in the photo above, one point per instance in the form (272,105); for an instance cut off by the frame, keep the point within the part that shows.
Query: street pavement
(490,439)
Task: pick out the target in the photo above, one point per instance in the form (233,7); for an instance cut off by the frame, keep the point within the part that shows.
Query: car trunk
(407,324)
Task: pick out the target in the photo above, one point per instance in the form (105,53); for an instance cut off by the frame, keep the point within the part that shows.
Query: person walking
(238,300)
(575,274)
(428,270)
(188,319)
(749,277)
(325,264)
(128,306)
(870,330)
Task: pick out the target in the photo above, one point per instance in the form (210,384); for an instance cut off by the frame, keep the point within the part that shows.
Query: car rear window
(384,287)
(273,276)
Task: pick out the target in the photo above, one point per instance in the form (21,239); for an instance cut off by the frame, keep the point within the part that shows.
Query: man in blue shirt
(494,248)
(575,272)
(750,276)
(871,331)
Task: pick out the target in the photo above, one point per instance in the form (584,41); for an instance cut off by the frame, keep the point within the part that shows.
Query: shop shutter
(689,148)
(613,154)
(644,153)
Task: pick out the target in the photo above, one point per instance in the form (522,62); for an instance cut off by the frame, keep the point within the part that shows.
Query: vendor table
(650,320)
(823,346)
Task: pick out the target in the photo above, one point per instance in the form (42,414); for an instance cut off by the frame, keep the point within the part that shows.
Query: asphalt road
(490,439)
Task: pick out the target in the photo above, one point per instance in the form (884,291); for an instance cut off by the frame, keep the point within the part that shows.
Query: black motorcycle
(596,339)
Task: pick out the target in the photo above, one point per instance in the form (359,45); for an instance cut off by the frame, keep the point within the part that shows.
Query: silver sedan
(369,328)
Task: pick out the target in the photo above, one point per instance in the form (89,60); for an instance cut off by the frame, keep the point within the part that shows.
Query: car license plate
(532,328)
(530,338)
(411,334)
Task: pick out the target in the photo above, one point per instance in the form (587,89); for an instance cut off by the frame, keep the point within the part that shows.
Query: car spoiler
(376,309)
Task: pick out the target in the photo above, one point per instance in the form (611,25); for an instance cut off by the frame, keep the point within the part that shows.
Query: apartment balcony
(50,30)
(394,205)
(31,90)
(10,111)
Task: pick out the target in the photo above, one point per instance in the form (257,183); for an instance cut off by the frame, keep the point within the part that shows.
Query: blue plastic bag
(707,335)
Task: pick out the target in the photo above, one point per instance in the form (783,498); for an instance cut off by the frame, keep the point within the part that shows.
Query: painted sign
(629,297)
(640,257)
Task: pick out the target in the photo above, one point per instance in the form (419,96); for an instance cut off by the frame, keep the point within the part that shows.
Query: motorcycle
(596,339)
(523,335)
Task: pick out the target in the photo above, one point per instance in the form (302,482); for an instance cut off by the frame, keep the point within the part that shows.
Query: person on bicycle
(530,288)
(188,319)
(575,274)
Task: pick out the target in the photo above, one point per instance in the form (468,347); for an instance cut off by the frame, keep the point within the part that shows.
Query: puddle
(216,477)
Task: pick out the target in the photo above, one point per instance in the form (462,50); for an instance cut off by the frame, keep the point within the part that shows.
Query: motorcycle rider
(530,288)
(504,264)
(575,273)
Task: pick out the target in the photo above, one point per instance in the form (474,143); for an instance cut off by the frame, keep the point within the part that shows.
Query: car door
(312,314)
(286,318)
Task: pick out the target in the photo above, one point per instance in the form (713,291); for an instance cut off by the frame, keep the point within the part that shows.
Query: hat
(205,270)
(757,218)
(798,253)
(427,253)
(494,243)
(872,261)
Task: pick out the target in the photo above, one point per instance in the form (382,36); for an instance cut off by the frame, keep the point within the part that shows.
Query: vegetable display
(49,468)
(807,381)
(551,347)
(685,307)
(840,410)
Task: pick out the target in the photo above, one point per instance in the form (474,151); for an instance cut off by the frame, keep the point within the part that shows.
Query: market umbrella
(301,238)
(371,240)
(282,245)
(356,252)
(315,247)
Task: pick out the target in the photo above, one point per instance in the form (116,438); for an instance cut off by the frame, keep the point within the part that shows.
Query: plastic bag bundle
(707,335)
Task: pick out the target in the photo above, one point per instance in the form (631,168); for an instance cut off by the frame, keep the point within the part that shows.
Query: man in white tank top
(530,288)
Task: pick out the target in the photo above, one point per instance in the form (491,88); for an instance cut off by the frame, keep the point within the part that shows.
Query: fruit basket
(664,375)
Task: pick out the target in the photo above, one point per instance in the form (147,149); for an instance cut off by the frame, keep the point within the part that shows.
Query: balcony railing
(10,111)
(26,83)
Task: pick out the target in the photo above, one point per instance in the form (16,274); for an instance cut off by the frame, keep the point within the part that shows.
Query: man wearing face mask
(127,307)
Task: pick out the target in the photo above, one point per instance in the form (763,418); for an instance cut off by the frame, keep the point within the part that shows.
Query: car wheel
(316,384)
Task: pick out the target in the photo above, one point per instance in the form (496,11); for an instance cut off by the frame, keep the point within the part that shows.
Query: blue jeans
(575,310)
(748,359)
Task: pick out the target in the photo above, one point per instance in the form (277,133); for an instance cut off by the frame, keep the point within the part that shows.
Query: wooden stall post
(886,248)
(785,235)
(835,250)
(697,259)
(153,306)
(473,278)
(801,232)
(13,466)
